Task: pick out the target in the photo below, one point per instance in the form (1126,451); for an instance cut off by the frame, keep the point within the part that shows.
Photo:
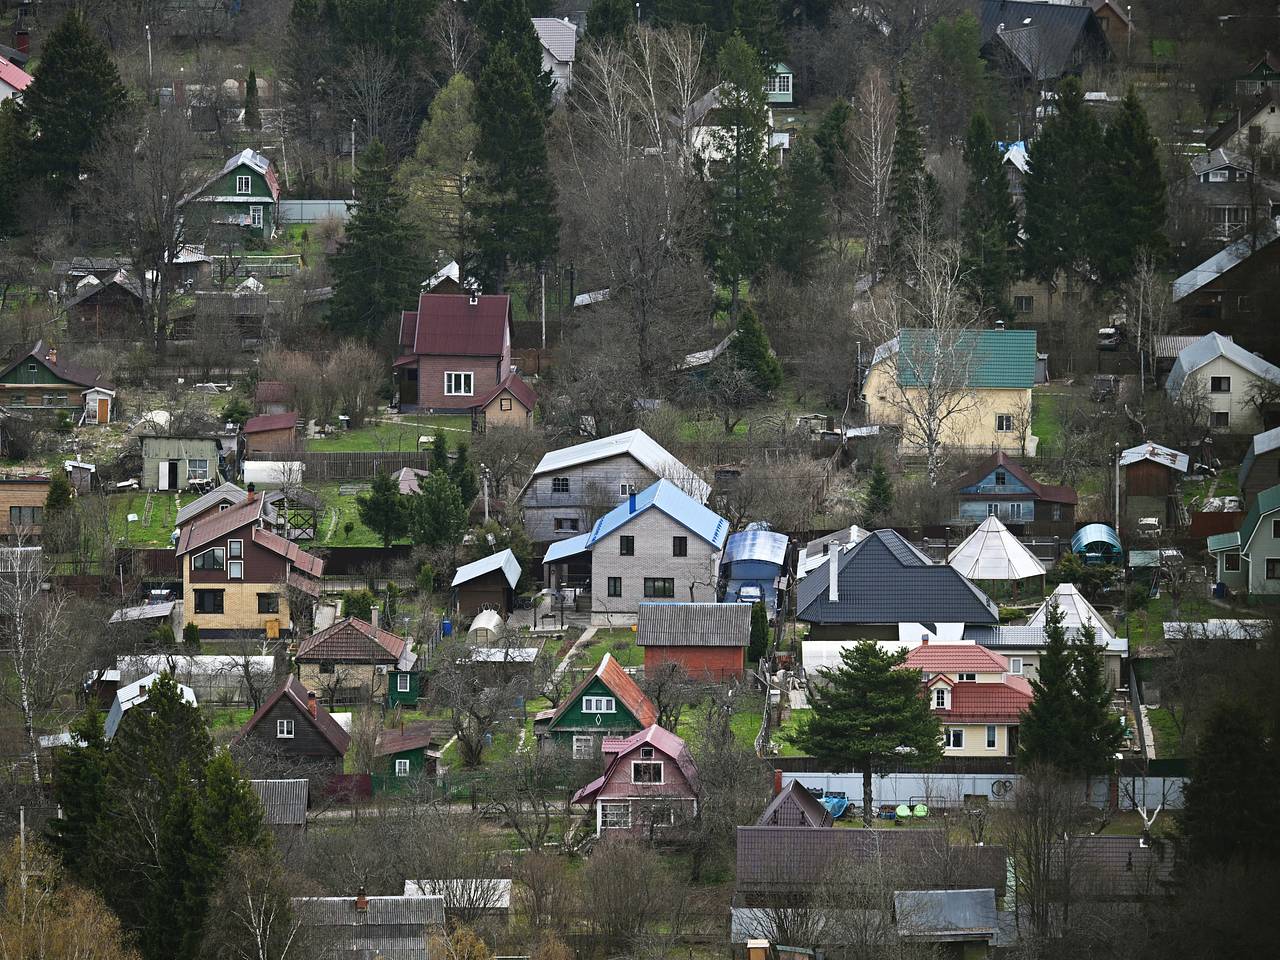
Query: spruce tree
(913,191)
(988,220)
(869,713)
(757,21)
(1098,731)
(75,96)
(742,175)
(1132,190)
(439,453)
(1062,215)
(507,22)
(752,354)
(376,268)
(1047,730)
(78,788)
(759,633)
(516,207)
(834,144)
(802,226)
(58,500)
(437,515)
(463,475)
(252,114)
(383,510)
(13,151)
(609,20)
(879,497)
(169,917)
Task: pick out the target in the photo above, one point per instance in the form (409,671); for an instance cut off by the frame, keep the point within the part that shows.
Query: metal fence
(283,265)
(313,211)
(351,465)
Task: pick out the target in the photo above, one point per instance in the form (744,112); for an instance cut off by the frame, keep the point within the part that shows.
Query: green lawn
(232,718)
(395,434)
(1168,741)
(142,532)
(1225,484)
(1146,626)
(778,736)
(619,642)
(1046,420)
(745,721)
(341,509)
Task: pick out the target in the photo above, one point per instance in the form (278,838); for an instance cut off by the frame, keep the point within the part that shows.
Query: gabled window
(679,546)
(1219,384)
(284,729)
(941,698)
(599,705)
(235,570)
(244,184)
(626,546)
(235,549)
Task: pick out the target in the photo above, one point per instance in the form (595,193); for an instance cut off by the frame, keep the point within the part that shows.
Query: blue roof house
(753,562)
(658,544)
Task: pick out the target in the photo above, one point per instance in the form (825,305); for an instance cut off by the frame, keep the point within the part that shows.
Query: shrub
(191,635)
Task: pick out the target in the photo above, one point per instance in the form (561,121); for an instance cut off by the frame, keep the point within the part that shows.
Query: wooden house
(115,307)
(1250,125)
(607,703)
(38,381)
(1150,474)
(453,349)
(794,806)
(486,584)
(779,85)
(649,786)
(707,640)
(244,196)
(1000,487)
(271,433)
(22,500)
(292,723)
(354,661)
(407,755)
(1260,469)
(179,463)
(272,396)
(509,404)
(1038,42)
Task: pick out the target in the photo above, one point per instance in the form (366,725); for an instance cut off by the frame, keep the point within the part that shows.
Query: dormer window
(244,185)
(941,699)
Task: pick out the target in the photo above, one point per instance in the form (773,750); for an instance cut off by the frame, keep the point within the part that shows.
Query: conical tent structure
(1076,612)
(993,553)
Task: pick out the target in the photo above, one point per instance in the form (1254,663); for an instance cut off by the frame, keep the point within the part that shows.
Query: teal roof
(1224,541)
(1268,501)
(781,67)
(998,359)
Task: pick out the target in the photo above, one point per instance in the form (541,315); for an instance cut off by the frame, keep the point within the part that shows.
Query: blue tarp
(836,806)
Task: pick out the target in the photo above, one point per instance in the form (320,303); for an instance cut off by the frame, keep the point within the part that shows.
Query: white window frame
(402,768)
(599,705)
(662,773)
(216,550)
(198,469)
(235,569)
(1004,423)
(1015,665)
(1015,511)
(402,683)
(993,509)
(584,747)
(255,216)
(244,184)
(993,736)
(455,388)
(941,698)
(1218,176)
(615,815)
(284,729)
(953,738)
(626,489)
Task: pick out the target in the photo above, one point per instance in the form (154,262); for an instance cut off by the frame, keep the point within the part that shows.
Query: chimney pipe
(924,639)
(631,502)
(777,782)
(833,577)
(362,901)
(374,616)
(311,703)
(251,491)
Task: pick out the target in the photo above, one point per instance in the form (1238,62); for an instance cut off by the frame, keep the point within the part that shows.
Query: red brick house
(650,785)
(453,350)
(274,432)
(709,640)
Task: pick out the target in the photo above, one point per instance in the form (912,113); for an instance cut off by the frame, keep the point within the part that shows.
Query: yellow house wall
(975,741)
(239,606)
(350,674)
(974,428)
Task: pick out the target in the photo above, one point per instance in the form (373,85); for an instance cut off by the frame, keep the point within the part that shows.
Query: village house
(1264,73)
(1040,42)
(509,404)
(135,695)
(606,703)
(221,497)
(244,196)
(179,463)
(407,754)
(486,584)
(1223,184)
(707,640)
(572,487)
(649,786)
(367,928)
(271,433)
(37,381)
(779,85)
(238,577)
(22,500)
(1253,124)
(559,39)
(293,725)
(114,307)
(354,661)
(994,369)
(1001,487)
(453,349)
(1240,389)
(794,806)
(13,80)
(658,544)
(1248,560)
(1260,468)
(272,397)
(976,698)
(1150,475)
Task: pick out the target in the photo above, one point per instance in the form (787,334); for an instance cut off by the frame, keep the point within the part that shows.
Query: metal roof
(693,625)
(1016,154)
(1153,451)
(1043,36)
(558,37)
(636,444)
(130,696)
(1223,541)
(388,928)
(447,324)
(1076,611)
(1262,443)
(488,894)
(996,359)
(763,545)
(1268,501)
(284,802)
(223,493)
(1226,259)
(148,611)
(563,549)
(991,552)
(1217,629)
(946,914)
(1011,639)
(675,503)
(1210,347)
(503,560)
(794,806)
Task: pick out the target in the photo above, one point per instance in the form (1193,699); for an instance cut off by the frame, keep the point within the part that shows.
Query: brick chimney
(362,901)
(374,616)
(924,639)
(251,492)
(312,705)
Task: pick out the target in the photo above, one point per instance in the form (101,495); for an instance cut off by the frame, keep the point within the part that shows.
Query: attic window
(1000,478)
(244,184)
(31,368)
(941,698)
(646,753)
(1217,176)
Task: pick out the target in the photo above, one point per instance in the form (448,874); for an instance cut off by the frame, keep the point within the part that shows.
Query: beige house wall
(346,674)
(975,741)
(1243,416)
(239,606)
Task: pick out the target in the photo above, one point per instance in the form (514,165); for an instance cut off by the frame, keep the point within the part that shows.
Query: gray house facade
(174,463)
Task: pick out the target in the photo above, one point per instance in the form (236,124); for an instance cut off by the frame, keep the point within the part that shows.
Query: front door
(104,409)
(172,466)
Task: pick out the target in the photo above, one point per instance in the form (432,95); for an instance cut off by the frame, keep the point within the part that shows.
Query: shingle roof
(271,391)
(794,806)
(955,658)
(884,579)
(1057,30)
(122,279)
(284,802)
(1000,460)
(389,928)
(1210,347)
(414,736)
(503,560)
(945,914)
(653,735)
(559,37)
(214,526)
(447,324)
(271,421)
(352,640)
(1118,866)
(1225,260)
(407,480)
(323,721)
(516,386)
(675,503)
(693,625)
(767,546)
(634,443)
(223,493)
(991,359)
(620,684)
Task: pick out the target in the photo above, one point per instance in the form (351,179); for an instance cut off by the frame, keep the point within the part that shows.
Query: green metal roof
(1224,541)
(1268,501)
(997,359)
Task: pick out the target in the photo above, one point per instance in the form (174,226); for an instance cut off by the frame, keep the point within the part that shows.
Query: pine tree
(759,633)
(757,21)
(375,271)
(1132,190)
(802,226)
(440,453)
(751,353)
(834,144)
(78,789)
(609,20)
(988,220)
(879,497)
(382,509)
(868,713)
(1098,731)
(508,22)
(743,177)
(1061,214)
(58,499)
(1047,729)
(252,114)
(463,475)
(76,94)
(437,515)
(913,191)
(517,206)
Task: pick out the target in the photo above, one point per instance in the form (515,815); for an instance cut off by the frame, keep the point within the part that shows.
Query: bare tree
(454,38)
(372,88)
(528,789)
(628,893)
(870,161)
(250,917)
(357,374)
(550,890)
(671,691)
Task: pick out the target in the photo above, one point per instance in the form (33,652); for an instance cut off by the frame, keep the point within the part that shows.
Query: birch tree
(870,162)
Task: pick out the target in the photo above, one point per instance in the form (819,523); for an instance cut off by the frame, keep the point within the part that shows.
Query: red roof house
(650,785)
(453,350)
(509,404)
(977,700)
(353,658)
(271,432)
(13,79)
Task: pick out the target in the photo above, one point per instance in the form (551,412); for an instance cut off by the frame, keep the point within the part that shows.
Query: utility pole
(1117,482)
(542,275)
(150,77)
(353,158)
(484,486)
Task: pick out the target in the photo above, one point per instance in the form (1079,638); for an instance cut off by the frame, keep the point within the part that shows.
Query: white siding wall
(593,491)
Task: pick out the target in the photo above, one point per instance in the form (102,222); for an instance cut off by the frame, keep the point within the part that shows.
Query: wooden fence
(351,465)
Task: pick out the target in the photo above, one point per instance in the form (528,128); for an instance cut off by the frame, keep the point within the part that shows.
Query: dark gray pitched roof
(1114,867)
(794,806)
(1044,37)
(694,625)
(884,579)
(284,802)
(392,928)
